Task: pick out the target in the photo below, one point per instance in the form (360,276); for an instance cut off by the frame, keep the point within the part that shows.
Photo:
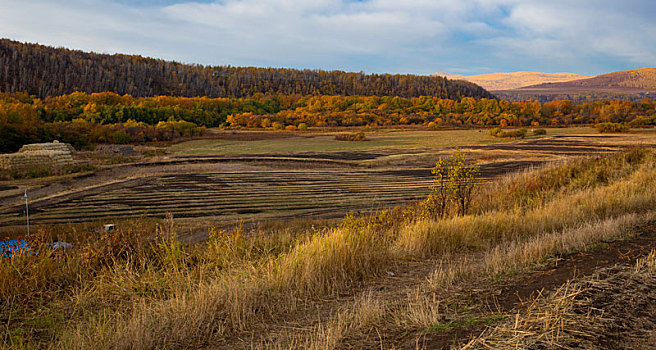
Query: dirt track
(511,295)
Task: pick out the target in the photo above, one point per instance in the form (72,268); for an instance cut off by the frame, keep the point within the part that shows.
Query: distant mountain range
(515,80)
(643,79)
(634,84)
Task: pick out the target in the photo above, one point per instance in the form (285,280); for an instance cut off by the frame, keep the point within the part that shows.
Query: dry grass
(354,318)
(608,308)
(518,255)
(228,303)
(136,292)
(561,206)
(301,143)
(430,306)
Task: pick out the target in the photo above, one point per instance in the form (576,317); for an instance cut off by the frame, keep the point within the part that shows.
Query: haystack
(38,155)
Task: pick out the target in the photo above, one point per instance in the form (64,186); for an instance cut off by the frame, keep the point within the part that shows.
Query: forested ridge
(46,71)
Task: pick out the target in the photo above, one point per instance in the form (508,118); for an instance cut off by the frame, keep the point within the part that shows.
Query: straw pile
(38,155)
(54,146)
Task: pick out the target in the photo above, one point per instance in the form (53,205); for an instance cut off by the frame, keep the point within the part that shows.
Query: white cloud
(419,36)
(576,29)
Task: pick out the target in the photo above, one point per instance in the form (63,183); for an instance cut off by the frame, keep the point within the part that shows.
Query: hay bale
(51,146)
(35,159)
(38,155)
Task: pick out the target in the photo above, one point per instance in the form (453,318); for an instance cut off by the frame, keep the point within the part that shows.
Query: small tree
(462,182)
(454,181)
(611,127)
(121,137)
(439,196)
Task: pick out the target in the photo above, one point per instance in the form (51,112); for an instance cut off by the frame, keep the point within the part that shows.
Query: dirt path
(511,294)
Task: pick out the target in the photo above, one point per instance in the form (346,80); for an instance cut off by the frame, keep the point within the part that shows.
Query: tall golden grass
(428,305)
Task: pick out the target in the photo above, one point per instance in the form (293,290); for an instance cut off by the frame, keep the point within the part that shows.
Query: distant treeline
(435,112)
(579,96)
(46,71)
(83,119)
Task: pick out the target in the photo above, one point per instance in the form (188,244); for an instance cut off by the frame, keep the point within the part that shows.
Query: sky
(375,36)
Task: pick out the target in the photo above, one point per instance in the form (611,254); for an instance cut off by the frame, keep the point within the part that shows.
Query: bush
(642,122)
(179,128)
(302,126)
(539,132)
(352,137)
(121,137)
(611,127)
(496,132)
(519,133)
(432,125)
(290,127)
(277,126)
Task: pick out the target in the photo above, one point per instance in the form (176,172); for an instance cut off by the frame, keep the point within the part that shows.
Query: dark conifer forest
(46,71)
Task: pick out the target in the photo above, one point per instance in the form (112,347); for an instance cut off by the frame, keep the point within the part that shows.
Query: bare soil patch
(227,194)
(565,146)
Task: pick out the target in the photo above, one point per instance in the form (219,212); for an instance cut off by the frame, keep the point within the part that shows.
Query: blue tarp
(8,247)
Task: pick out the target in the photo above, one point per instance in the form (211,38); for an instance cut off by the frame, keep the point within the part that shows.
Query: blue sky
(394,36)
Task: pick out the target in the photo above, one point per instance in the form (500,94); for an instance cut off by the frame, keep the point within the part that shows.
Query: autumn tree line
(84,119)
(434,112)
(46,71)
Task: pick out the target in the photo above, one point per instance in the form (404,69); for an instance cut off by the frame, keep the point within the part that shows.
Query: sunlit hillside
(644,78)
(508,81)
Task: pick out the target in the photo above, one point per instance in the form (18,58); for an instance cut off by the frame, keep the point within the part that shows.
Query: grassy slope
(124,292)
(640,79)
(514,80)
